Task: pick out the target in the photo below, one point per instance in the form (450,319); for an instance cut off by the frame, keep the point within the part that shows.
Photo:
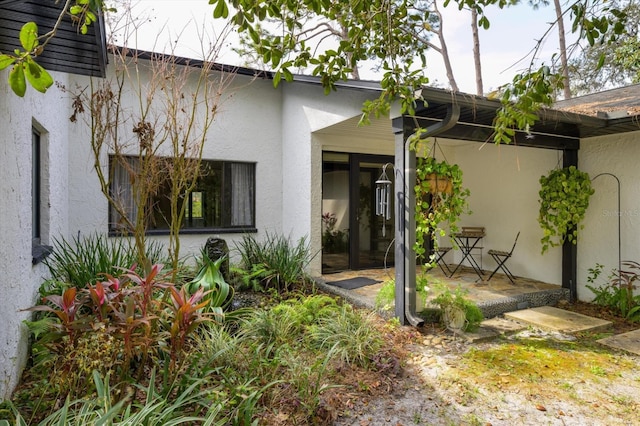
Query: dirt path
(529,378)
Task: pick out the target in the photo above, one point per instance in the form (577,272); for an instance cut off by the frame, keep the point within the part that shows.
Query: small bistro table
(468,240)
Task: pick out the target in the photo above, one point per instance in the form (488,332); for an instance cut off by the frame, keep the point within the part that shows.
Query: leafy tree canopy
(372,29)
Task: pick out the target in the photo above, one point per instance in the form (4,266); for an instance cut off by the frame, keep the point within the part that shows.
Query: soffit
(378,129)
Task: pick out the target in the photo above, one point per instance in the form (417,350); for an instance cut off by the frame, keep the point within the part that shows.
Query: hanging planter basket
(440,184)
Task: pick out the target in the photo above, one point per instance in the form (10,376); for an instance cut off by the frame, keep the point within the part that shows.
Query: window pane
(223,198)
(35,186)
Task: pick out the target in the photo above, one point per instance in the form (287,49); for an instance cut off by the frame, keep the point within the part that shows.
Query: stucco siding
(247,128)
(598,241)
(307,110)
(504,185)
(19,279)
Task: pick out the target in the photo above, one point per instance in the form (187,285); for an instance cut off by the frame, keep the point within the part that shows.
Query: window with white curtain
(224,198)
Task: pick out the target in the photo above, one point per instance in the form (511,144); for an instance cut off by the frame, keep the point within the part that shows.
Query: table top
(471,232)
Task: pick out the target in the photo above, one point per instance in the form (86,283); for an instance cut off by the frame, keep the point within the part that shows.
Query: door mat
(351,283)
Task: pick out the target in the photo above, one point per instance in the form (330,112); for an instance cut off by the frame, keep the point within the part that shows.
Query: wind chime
(383,197)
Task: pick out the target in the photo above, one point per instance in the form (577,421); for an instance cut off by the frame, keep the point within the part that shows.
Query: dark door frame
(354,200)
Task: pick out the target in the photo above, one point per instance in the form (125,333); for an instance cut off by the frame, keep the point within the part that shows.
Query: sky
(511,37)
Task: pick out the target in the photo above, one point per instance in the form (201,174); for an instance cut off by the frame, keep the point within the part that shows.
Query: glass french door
(353,236)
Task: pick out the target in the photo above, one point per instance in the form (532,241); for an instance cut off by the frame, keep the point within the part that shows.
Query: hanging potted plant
(564,198)
(440,199)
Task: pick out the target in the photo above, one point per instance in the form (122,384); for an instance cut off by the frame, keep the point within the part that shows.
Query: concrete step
(629,341)
(555,319)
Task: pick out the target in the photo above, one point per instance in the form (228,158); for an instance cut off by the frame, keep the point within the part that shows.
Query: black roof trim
(190,62)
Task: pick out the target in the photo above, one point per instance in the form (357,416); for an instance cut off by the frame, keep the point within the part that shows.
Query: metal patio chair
(439,255)
(501,258)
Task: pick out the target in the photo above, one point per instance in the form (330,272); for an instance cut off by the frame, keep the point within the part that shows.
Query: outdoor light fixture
(383,197)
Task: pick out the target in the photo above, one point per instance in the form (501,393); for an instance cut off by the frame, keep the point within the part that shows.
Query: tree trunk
(476,51)
(444,52)
(563,50)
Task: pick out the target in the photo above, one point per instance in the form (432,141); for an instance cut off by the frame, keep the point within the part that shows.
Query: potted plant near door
(440,199)
(564,198)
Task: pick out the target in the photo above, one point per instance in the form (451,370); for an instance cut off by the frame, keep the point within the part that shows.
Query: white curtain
(242,183)
(122,190)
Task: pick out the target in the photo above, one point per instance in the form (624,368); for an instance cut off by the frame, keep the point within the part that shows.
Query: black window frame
(225,191)
(39,251)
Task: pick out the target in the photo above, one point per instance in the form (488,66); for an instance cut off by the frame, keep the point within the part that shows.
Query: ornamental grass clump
(274,263)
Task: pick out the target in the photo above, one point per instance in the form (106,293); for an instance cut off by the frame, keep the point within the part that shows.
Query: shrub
(83,260)
(457,300)
(350,335)
(618,292)
(275,263)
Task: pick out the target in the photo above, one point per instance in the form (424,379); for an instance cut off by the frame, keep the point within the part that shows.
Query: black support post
(569,249)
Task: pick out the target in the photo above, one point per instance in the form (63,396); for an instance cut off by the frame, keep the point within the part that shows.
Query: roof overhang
(69,50)
(555,129)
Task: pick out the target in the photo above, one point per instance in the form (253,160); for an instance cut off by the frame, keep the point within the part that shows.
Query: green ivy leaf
(17,81)
(5,61)
(29,36)
(37,76)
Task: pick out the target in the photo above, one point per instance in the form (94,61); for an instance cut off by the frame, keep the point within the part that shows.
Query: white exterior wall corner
(19,279)
(307,109)
(598,240)
(246,128)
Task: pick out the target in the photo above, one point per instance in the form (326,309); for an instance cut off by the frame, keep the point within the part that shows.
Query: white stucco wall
(247,128)
(306,109)
(504,185)
(19,279)
(598,241)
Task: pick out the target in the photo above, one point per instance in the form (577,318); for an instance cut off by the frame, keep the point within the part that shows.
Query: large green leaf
(37,76)
(17,81)
(29,36)
(6,60)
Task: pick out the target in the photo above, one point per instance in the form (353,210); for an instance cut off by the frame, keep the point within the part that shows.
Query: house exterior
(303,157)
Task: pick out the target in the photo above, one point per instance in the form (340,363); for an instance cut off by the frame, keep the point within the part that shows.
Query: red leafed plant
(120,325)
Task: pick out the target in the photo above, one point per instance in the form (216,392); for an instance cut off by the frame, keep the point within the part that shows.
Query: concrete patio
(508,308)
(493,297)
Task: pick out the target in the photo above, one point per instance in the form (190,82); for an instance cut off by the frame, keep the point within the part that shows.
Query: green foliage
(618,293)
(614,59)
(286,356)
(155,410)
(564,198)
(25,68)
(374,29)
(349,334)
(457,299)
(385,299)
(120,327)
(209,278)
(522,99)
(84,260)
(435,207)
(274,263)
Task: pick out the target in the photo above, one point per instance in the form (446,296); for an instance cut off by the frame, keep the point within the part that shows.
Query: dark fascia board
(481,102)
(585,125)
(68,51)
(189,62)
